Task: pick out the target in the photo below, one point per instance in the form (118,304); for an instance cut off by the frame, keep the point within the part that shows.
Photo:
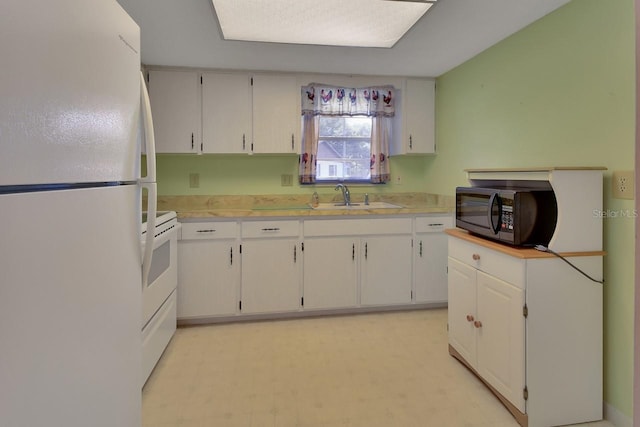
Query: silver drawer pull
(209,230)
(436,225)
(271,229)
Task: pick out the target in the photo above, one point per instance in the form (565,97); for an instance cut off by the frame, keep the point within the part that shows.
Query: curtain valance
(322,99)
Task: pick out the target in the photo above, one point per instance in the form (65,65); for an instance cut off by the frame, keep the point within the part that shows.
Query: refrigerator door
(70,308)
(69,93)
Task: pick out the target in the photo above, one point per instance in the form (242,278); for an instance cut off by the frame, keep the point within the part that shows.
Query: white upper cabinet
(226,113)
(276,114)
(175,106)
(415,128)
(239,112)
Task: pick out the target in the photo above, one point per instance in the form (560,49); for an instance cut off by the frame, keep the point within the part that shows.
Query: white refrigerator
(70,196)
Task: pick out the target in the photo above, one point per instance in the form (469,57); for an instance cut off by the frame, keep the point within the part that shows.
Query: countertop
(524,253)
(188,207)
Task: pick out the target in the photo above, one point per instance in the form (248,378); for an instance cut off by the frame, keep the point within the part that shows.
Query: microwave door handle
(495,198)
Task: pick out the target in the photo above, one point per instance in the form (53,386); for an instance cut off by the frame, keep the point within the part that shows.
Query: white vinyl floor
(388,369)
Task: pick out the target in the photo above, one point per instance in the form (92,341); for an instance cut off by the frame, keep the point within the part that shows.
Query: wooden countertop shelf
(524,253)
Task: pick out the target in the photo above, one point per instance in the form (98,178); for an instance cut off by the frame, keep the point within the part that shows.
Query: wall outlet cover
(623,184)
(194,180)
(286,180)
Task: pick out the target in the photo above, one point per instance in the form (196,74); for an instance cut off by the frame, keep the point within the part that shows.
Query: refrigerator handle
(149,138)
(150,235)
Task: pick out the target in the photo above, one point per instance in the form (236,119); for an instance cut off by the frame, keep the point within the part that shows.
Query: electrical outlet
(623,184)
(286,180)
(194,180)
(398,180)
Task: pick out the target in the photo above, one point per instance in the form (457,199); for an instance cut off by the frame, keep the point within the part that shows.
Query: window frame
(320,181)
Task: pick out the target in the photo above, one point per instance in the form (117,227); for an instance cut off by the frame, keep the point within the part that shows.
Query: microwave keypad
(507,218)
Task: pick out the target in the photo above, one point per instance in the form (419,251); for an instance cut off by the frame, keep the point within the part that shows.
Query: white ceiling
(186,33)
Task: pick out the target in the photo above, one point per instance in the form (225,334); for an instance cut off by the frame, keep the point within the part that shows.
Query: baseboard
(240,317)
(616,417)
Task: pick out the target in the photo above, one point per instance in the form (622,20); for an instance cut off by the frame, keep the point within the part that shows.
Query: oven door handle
(150,232)
(495,197)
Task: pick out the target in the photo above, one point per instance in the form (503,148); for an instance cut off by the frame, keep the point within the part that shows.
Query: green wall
(244,174)
(559,92)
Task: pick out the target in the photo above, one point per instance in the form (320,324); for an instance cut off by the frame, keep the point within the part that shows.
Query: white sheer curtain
(324,100)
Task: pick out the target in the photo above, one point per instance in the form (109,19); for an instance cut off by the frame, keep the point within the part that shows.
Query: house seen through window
(344,148)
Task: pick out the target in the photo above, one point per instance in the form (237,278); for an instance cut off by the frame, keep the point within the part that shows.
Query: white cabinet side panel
(564,342)
(579,225)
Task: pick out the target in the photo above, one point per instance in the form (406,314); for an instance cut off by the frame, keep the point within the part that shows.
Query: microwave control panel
(507,215)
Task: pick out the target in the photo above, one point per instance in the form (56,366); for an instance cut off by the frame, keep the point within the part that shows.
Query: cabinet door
(330,272)
(208,278)
(226,113)
(270,275)
(462,309)
(500,345)
(175,107)
(419,113)
(386,270)
(430,267)
(276,114)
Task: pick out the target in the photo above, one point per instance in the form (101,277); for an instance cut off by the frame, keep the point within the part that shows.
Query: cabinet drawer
(432,224)
(502,266)
(357,227)
(270,229)
(209,230)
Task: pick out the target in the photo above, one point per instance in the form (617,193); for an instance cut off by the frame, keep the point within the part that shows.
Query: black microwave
(517,216)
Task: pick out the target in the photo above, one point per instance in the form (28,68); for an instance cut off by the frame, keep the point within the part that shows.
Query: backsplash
(261,174)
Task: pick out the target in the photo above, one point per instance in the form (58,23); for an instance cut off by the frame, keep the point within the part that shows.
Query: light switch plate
(286,180)
(623,184)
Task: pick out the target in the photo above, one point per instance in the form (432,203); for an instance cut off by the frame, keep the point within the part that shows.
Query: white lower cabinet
(530,327)
(330,272)
(430,258)
(248,267)
(486,326)
(208,270)
(357,262)
(386,270)
(271,267)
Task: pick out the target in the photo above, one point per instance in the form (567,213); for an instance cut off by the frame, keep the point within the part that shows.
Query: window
(344,149)
(345,133)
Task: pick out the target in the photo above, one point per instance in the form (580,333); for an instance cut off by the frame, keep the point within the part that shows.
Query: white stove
(164,220)
(159,294)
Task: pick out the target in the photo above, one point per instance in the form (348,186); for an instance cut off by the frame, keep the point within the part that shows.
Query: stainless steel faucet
(345,194)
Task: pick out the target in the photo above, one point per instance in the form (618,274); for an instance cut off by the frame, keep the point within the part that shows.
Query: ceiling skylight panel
(363,23)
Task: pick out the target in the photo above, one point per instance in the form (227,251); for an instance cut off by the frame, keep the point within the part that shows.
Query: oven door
(163,273)
(479,210)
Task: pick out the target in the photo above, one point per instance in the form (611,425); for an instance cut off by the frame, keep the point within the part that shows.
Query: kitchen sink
(356,206)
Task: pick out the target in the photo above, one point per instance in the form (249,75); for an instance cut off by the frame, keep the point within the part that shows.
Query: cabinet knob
(475,257)
(477,324)
(469,318)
